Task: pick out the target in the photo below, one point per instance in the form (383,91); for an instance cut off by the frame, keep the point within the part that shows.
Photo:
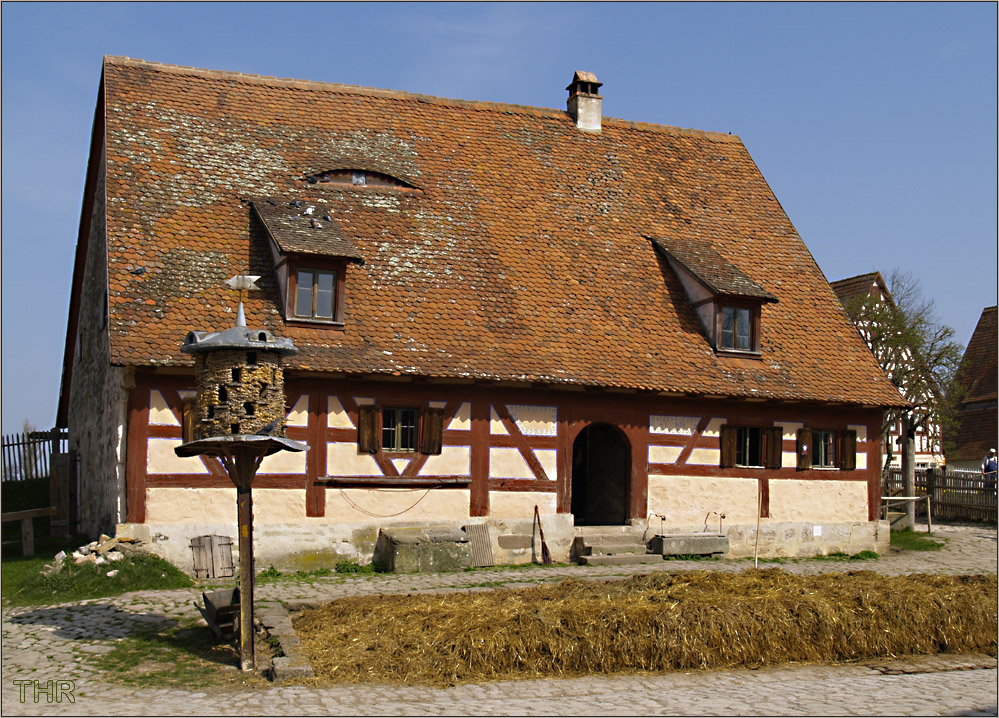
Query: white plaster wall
(535,420)
(705,457)
(299,414)
(818,501)
(674,425)
(336,416)
(495,423)
(196,506)
(507,463)
(548,458)
(161,459)
(452,461)
(278,506)
(462,420)
(685,500)
(664,454)
(520,504)
(343,459)
(376,506)
(159,410)
(284,462)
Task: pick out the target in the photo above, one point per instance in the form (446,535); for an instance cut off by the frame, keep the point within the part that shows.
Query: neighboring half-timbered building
(496,307)
(853,292)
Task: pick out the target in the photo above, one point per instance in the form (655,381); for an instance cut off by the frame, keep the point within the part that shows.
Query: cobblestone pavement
(42,643)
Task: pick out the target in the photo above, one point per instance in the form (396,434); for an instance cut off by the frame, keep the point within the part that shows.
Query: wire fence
(963,495)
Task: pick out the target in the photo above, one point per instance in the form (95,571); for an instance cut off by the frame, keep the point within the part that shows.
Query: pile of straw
(658,622)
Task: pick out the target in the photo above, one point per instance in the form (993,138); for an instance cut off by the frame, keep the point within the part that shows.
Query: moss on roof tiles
(521,257)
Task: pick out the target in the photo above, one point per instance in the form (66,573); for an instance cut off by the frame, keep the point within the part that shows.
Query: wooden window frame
(755,317)
(429,430)
(844,446)
(399,412)
(315,264)
(771,446)
(819,437)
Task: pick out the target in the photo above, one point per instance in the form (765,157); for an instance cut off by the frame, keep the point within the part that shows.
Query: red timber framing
(630,413)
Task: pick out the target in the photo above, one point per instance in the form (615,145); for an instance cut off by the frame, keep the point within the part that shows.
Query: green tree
(919,356)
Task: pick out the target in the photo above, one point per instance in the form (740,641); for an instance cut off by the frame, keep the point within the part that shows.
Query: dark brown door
(601,464)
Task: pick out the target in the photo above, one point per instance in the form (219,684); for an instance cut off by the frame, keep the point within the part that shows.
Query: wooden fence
(953,494)
(28,456)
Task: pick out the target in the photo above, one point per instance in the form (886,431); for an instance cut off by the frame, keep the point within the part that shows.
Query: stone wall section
(239,392)
(99,392)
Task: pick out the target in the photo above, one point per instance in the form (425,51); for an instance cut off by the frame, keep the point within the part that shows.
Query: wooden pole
(245,463)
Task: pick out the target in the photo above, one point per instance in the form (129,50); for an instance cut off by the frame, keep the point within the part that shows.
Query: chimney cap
(581,76)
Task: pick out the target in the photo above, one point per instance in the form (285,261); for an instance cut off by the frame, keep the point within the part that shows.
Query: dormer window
(315,293)
(728,303)
(311,256)
(736,328)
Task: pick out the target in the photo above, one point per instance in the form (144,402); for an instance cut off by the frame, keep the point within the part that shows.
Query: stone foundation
(313,544)
(309,545)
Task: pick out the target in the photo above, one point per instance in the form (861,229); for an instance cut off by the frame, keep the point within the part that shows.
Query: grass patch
(909,540)
(658,622)
(273,575)
(690,557)
(25,585)
(182,656)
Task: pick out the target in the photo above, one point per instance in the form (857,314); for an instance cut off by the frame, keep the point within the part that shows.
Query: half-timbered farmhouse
(496,307)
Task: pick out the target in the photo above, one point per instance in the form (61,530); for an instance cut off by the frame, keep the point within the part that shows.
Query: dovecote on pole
(240,419)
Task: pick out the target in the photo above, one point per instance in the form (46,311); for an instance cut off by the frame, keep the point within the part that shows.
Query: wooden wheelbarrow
(221,613)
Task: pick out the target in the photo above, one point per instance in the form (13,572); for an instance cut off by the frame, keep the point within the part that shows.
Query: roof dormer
(727,302)
(311,254)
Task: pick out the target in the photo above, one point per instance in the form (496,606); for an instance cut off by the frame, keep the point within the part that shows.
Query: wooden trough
(221,613)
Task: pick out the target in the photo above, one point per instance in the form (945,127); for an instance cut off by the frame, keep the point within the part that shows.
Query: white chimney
(583,104)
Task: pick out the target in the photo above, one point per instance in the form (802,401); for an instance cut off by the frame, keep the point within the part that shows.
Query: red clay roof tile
(521,257)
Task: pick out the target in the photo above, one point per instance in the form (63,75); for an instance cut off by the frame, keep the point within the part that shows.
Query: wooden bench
(27,529)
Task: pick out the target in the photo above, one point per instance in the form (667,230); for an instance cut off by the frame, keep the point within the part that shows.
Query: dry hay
(657,622)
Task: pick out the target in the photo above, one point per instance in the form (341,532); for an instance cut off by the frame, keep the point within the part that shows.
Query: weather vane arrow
(241,283)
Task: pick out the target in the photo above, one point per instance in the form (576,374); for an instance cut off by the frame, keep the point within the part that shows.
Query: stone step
(620,560)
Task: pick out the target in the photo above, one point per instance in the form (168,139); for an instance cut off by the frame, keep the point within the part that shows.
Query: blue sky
(875,124)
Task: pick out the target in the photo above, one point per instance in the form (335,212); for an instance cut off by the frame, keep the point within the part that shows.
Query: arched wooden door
(601,466)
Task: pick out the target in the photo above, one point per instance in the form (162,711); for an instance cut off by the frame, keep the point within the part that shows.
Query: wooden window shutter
(848,450)
(727,442)
(367,429)
(432,430)
(804,449)
(775,447)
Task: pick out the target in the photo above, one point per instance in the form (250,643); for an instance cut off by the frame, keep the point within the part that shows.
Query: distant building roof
(863,285)
(977,430)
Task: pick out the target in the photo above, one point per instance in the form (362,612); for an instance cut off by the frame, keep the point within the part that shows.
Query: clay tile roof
(717,275)
(978,370)
(860,286)
(299,227)
(519,253)
(978,417)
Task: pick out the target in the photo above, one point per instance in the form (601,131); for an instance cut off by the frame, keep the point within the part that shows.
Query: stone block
(428,549)
(285,667)
(515,541)
(689,544)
